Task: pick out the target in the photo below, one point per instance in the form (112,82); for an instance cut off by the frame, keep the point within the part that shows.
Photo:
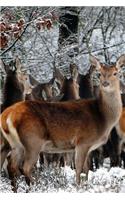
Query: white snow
(63,180)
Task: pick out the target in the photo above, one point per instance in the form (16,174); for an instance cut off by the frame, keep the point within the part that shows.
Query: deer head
(108,75)
(68,87)
(23,77)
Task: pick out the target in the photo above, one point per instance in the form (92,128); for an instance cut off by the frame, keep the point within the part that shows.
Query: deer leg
(62,160)
(98,158)
(56,160)
(17,157)
(12,171)
(123,158)
(41,158)
(15,161)
(31,157)
(91,167)
(73,161)
(81,152)
(87,164)
(122,155)
(4,150)
(3,155)
(46,159)
(115,158)
(69,160)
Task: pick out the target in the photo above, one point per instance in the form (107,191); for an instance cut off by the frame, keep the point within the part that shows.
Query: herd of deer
(79,127)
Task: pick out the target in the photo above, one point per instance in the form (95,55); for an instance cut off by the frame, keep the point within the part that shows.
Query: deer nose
(105,83)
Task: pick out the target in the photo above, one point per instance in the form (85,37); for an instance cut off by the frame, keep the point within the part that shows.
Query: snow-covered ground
(63,180)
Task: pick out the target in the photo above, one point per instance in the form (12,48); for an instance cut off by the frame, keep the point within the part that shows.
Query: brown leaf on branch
(48,24)
(44,23)
(8,27)
(16,34)
(3,40)
(15,28)
(2,27)
(21,23)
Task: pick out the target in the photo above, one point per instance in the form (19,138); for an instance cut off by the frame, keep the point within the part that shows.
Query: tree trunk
(68,37)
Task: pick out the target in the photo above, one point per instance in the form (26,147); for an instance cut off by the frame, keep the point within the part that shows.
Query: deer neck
(110,105)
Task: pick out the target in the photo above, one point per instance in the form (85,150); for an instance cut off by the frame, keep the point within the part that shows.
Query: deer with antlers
(81,126)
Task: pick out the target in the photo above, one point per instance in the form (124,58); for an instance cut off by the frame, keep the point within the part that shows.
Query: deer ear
(120,62)
(59,78)
(18,64)
(51,82)
(95,62)
(74,71)
(2,63)
(57,74)
(33,81)
(4,66)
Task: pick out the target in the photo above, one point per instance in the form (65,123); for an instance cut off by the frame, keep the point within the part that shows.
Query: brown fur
(70,91)
(121,125)
(122,121)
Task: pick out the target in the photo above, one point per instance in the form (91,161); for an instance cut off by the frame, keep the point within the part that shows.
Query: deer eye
(115,73)
(99,74)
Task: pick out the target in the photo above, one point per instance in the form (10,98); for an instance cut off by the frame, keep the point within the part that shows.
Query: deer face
(23,78)
(109,75)
(109,78)
(73,88)
(47,88)
(26,83)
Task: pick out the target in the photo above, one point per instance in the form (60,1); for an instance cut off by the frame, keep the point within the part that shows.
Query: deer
(18,87)
(85,84)
(111,148)
(57,127)
(86,91)
(41,91)
(69,90)
(15,88)
(16,84)
(69,87)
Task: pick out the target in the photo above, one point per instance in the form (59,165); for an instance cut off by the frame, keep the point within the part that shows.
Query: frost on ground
(63,180)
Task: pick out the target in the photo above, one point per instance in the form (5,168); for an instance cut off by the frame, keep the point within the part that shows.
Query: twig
(102,48)
(81,52)
(6,50)
(11,46)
